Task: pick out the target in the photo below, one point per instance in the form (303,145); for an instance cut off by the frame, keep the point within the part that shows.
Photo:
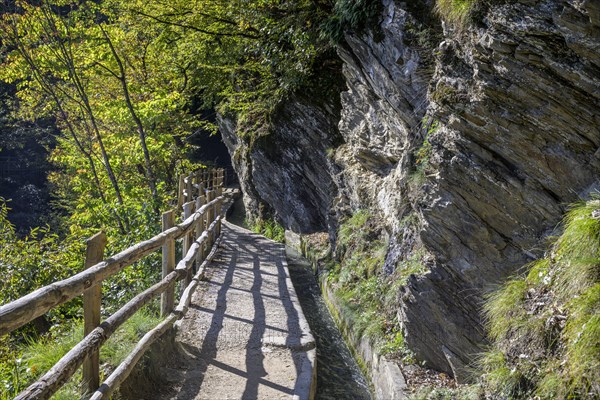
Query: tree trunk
(138,122)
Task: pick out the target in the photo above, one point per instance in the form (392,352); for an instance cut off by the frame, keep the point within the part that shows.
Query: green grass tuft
(368,296)
(455,12)
(577,251)
(39,355)
(270,229)
(545,326)
(582,342)
(504,308)
(118,346)
(471,392)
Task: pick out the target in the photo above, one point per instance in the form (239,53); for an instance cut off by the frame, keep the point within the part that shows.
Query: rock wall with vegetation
(465,136)
(517,101)
(437,143)
(544,324)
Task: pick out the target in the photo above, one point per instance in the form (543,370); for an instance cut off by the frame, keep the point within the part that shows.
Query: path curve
(244,336)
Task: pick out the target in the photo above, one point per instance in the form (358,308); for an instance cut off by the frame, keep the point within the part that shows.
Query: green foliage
(577,251)
(468,392)
(67,66)
(505,308)
(40,355)
(43,257)
(351,15)
(125,83)
(395,345)
(445,94)
(545,327)
(12,369)
(36,260)
(37,356)
(422,155)
(125,338)
(369,297)
(246,57)
(456,12)
(270,229)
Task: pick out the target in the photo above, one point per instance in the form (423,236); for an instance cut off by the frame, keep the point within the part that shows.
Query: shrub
(270,229)
(356,15)
(370,297)
(455,12)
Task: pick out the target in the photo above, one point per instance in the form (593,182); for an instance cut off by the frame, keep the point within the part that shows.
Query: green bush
(356,15)
(369,298)
(456,12)
(270,229)
(23,364)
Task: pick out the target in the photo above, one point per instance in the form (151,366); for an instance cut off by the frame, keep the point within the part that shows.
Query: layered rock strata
(514,102)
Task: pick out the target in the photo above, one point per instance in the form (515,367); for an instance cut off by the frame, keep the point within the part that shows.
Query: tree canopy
(120,78)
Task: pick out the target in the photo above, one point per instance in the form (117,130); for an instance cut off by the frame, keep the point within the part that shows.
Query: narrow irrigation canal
(338,374)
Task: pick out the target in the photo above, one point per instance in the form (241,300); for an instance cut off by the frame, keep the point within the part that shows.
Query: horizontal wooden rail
(126,367)
(52,380)
(27,308)
(59,374)
(200,230)
(48,384)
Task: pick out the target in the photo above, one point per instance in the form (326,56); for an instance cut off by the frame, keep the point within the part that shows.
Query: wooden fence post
(187,242)
(217,213)
(92,300)
(167,299)
(199,182)
(210,195)
(199,229)
(221,181)
(180,189)
(189,188)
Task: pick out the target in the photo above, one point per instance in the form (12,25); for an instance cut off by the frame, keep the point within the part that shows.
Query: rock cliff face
(289,173)
(519,139)
(515,100)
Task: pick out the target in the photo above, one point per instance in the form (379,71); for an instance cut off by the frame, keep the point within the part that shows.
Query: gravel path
(244,336)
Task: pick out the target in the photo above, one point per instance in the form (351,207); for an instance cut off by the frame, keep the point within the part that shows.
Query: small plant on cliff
(369,297)
(423,153)
(468,392)
(456,12)
(357,15)
(545,327)
(270,229)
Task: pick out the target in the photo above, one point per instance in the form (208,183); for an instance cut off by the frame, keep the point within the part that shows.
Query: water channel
(338,374)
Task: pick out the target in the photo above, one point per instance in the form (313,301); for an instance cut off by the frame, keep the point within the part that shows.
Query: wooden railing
(201,199)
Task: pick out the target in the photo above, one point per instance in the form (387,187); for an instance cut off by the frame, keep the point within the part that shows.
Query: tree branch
(196,29)
(110,71)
